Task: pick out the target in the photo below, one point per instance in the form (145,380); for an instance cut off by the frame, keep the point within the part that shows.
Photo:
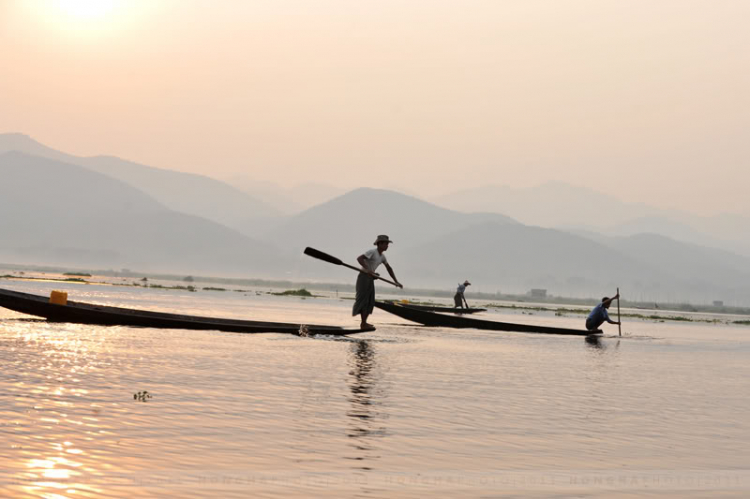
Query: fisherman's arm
(610,300)
(606,317)
(393,275)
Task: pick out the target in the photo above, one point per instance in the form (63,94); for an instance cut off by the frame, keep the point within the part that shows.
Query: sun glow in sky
(85,10)
(646,98)
(84,19)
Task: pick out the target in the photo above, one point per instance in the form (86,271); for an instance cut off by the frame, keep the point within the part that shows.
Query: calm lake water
(401,412)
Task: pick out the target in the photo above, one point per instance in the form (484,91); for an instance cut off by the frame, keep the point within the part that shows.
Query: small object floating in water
(142,396)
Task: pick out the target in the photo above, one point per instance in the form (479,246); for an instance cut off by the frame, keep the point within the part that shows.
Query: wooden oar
(619,325)
(332,259)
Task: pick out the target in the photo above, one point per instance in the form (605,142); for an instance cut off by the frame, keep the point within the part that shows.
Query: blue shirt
(597,317)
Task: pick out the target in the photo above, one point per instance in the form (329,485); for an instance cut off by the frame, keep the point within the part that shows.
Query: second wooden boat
(454,321)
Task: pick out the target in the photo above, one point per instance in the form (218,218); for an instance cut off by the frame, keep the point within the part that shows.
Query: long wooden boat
(435,308)
(85,313)
(454,321)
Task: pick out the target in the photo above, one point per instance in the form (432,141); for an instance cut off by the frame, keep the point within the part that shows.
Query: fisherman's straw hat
(382,239)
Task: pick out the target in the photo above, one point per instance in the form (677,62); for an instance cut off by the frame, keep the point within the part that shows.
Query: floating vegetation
(421,303)
(79,274)
(192,289)
(295,292)
(663,318)
(561,312)
(214,289)
(142,396)
(46,279)
(744,323)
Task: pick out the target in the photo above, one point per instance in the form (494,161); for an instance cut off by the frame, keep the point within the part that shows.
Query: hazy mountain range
(573,208)
(59,213)
(104,212)
(191,194)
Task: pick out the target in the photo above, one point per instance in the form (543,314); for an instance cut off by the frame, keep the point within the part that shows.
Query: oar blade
(322,256)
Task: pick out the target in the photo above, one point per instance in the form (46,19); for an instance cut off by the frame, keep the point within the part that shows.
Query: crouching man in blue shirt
(599,314)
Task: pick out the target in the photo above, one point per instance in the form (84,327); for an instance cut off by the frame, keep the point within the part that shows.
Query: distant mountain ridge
(192,194)
(516,258)
(547,205)
(349,223)
(573,208)
(61,213)
(288,201)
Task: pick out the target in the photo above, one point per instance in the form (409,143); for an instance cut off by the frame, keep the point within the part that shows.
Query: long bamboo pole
(619,326)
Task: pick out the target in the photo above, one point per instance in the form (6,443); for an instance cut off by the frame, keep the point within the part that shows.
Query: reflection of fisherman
(599,314)
(370,260)
(459,299)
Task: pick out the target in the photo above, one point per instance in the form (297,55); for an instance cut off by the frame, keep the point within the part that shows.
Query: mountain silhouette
(60,213)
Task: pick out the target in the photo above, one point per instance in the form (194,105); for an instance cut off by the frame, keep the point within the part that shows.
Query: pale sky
(646,100)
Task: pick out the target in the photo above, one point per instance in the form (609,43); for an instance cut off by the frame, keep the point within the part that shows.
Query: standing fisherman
(459,299)
(370,260)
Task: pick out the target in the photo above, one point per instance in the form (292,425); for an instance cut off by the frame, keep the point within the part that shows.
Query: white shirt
(374,259)
(461,288)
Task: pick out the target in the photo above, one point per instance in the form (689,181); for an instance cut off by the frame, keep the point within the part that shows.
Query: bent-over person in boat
(459,299)
(370,260)
(599,314)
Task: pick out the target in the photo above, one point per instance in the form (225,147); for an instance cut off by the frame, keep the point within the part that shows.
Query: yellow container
(58,297)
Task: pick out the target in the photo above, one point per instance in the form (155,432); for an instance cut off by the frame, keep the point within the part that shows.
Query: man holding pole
(370,260)
(459,299)
(599,314)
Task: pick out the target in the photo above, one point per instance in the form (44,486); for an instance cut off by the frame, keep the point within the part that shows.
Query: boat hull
(85,313)
(451,310)
(433,319)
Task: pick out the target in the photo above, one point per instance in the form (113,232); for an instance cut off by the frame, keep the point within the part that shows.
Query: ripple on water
(404,411)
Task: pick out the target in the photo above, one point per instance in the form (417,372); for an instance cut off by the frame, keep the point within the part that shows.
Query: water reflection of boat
(85,313)
(365,418)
